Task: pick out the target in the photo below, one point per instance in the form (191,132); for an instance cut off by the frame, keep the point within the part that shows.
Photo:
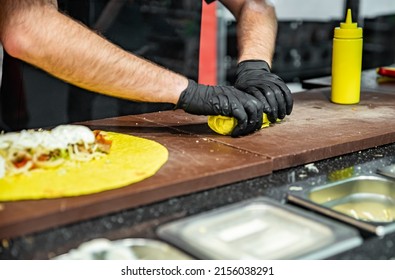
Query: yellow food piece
(131,159)
(341,174)
(225,125)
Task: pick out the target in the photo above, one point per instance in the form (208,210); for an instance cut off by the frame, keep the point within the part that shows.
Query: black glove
(255,78)
(223,100)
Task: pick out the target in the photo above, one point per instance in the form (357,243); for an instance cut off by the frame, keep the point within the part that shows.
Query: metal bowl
(124,249)
(259,228)
(366,201)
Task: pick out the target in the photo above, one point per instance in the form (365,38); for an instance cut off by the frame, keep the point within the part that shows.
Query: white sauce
(58,138)
(73,134)
(27,139)
(7,139)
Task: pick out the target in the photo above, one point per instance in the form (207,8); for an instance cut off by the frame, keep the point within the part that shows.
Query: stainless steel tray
(364,201)
(388,171)
(124,249)
(259,229)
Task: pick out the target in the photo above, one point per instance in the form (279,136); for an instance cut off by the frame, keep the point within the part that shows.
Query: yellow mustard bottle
(347,62)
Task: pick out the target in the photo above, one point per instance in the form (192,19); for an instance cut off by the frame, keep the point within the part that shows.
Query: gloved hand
(223,100)
(255,78)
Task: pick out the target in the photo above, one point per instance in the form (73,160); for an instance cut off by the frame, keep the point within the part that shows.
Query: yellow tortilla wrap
(225,125)
(131,159)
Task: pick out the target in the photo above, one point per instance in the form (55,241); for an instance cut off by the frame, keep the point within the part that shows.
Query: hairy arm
(256,28)
(35,32)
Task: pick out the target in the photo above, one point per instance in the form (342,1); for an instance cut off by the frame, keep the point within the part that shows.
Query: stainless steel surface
(364,201)
(259,229)
(124,249)
(367,198)
(388,171)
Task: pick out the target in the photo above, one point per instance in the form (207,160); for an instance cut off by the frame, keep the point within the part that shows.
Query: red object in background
(386,71)
(208,45)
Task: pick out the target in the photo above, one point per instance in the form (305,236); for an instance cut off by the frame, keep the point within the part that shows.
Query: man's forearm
(257,31)
(66,49)
(256,28)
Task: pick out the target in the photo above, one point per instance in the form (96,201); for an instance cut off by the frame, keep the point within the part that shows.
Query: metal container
(365,201)
(388,171)
(124,249)
(259,229)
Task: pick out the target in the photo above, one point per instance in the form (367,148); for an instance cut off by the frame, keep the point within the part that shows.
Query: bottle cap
(348,29)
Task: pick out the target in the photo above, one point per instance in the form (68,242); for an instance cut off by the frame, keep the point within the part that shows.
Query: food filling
(23,151)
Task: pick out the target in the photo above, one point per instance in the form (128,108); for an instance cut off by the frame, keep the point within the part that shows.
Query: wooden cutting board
(200,159)
(316,129)
(194,164)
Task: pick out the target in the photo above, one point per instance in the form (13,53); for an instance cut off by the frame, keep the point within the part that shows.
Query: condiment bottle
(346,62)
